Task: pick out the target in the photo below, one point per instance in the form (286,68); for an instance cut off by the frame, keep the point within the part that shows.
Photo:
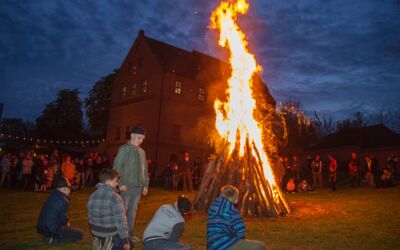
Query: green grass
(360,218)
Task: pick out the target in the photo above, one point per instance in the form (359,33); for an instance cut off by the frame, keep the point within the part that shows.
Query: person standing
(186,169)
(68,169)
(332,172)
(316,167)
(27,165)
(131,163)
(5,167)
(296,168)
(354,166)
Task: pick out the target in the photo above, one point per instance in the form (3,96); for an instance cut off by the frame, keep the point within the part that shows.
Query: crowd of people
(294,176)
(36,171)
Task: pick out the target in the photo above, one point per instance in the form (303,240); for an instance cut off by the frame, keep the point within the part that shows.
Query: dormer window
(178,87)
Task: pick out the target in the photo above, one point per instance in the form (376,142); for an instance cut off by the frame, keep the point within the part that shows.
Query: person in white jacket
(166,226)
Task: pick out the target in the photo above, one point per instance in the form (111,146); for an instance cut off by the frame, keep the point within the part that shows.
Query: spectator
(291,186)
(225,228)
(131,163)
(296,168)
(386,178)
(40,173)
(176,176)
(89,171)
(68,169)
(81,171)
(332,172)
(316,167)
(5,167)
(186,170)
(53,220)
(27,165)
(370,171)
(288,170)
(107,218)
(354,165)
(304,186)
(166,227)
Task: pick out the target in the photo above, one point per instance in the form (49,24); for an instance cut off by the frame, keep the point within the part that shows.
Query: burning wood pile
(243,161)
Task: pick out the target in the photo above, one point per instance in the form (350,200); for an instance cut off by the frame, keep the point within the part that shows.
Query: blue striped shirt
(224,226)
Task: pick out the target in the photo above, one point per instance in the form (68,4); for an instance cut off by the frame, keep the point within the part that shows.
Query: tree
(323,125)
(16,127)
(97,104)
(62,118)
(358,121)
(300,131)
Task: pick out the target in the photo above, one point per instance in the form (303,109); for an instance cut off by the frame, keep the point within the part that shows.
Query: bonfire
(242,161)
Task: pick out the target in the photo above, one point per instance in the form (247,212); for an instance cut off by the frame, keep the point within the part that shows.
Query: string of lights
(50,141)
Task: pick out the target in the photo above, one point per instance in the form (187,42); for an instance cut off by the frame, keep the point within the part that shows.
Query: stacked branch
(257,197)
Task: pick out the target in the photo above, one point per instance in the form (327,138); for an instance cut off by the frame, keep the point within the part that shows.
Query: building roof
(366,138)
(193,65)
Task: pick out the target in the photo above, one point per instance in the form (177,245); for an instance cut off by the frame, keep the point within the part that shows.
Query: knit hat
(184,205)
(61,182)
(137,130)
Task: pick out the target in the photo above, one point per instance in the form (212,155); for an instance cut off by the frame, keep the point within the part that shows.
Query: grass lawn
(361,218)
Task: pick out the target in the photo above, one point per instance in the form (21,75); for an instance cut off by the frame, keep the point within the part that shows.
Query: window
(202,94)
(133,89)
(118,134)
(176,133)
(144,86)
(123,91)
(127,133)
(178,87)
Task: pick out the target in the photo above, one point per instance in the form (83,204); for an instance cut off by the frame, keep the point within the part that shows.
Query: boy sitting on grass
(225,228)
(53,220)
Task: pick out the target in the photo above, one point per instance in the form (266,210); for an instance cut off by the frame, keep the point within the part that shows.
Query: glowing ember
(234,118)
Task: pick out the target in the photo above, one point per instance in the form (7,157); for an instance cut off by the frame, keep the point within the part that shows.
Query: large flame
(234,118)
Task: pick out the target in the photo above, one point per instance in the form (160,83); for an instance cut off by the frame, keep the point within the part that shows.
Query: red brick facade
(170,92)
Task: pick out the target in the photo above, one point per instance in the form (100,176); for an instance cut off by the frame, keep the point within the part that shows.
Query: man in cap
(131,164)
(53,220)
(166,226)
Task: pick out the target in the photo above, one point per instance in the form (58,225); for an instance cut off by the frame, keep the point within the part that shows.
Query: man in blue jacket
(53,220)
(225,228)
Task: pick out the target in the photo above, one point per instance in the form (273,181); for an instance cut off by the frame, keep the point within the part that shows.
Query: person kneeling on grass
(53,220)
(166,226)
(225,228)
(107,218)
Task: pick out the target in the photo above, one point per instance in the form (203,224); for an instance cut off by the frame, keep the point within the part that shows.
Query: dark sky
(334,56)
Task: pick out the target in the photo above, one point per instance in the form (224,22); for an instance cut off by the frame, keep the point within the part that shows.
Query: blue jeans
(165,245)
(131,199)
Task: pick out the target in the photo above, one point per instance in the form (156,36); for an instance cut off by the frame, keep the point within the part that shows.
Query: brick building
(170,92)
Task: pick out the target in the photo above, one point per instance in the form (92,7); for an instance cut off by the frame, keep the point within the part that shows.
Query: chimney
(141,32)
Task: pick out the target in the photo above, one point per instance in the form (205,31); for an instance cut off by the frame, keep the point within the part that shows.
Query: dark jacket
(53,216)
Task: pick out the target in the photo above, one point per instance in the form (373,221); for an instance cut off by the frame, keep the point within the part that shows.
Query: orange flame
(234,118)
